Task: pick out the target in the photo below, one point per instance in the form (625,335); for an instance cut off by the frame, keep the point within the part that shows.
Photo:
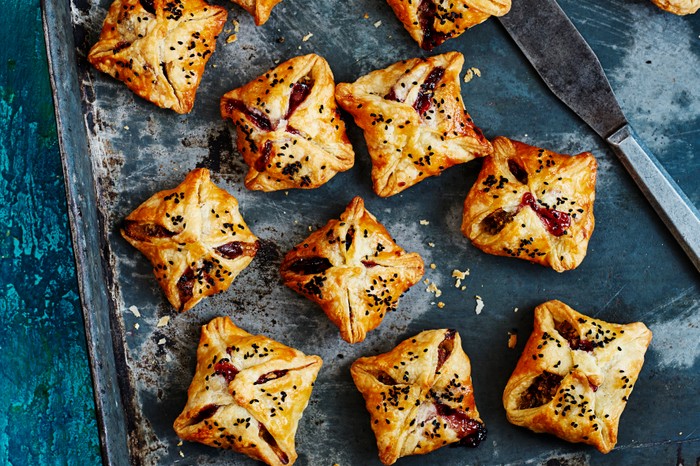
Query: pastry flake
(533,204)
(575,375)
(432,22)
(353,269)
(195,238)
(289,130)
(159,48)
(414,120)
(248,393)
(678,7)
(259,9)
(420,396)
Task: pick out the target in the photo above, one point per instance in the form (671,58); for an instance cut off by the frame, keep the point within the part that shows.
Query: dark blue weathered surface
(46,409)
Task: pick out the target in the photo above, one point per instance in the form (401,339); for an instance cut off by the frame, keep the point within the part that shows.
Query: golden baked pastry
(533,204)
(289,129)
(678,7)
(353,269)
(575,375)
(259,9)
(195,238)
(159,48)
(248,393)
(414,120)
(432,22)
(420,396)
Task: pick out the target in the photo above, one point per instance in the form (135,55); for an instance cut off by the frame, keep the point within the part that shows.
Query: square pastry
(413,119)
(420,396)
(248,393)
(575,375)
(289,130)
(259,9)
(353,269)
(159,48)
(533,204)
(432,22)
(195,238)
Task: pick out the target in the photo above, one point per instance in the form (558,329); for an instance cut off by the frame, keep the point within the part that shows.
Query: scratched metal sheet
(120,149)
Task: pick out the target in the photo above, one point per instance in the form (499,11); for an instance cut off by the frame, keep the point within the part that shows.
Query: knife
(573,73)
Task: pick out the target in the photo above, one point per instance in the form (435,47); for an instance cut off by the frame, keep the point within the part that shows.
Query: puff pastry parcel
(420,396)
(414,121)
(353,269)
(195,238)
(159,48)
(259,9)
(248,393)
(289,129)
(432,22)
(678,7)
(533,204)
(575,375)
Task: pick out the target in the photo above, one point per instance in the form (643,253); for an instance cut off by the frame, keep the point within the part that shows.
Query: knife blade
(571,70)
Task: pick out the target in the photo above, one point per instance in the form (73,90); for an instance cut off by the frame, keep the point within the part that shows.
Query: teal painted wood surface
(46,400)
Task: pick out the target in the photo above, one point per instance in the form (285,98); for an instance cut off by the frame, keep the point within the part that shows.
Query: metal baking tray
(118,149)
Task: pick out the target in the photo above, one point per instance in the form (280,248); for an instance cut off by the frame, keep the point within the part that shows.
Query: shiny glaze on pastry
(248,394)
(414,121)
(533,204)
(432,22)
(289,129)
(575,375)
(259,9)
(195,238)
(420,396)
(159,48)
(353,269)
(678,7)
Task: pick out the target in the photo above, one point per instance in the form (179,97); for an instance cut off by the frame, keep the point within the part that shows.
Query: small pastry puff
(413,119)
(289,129)
(432,22)
(533,204)
(420,396)
(248,394)
(259,9)
(678,7)
(159,48)
(195,238)
(575,375)
(353,269)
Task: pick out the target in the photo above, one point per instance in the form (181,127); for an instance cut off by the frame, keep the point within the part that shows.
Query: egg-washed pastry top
(159,48)
(575,375)
(195,237)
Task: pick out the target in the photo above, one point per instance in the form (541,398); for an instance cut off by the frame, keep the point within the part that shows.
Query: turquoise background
(47,414)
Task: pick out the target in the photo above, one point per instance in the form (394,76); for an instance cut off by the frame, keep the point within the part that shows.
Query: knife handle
(664,194)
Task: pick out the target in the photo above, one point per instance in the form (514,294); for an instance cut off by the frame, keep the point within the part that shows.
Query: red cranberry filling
(300,91)
(469,430)
(349,236)
(230,250)
(541,390)
(392,96)
(121,45)
(310,265)
(145,231)
(260,120)
(185,285)
(386,379)
(518,171)
(369,264)
(555,221)
(270,440)
(427,11)
(445,348)
(205,413)
(270,376)
(427,89)
(567,331)
(225,369)
(264,159)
